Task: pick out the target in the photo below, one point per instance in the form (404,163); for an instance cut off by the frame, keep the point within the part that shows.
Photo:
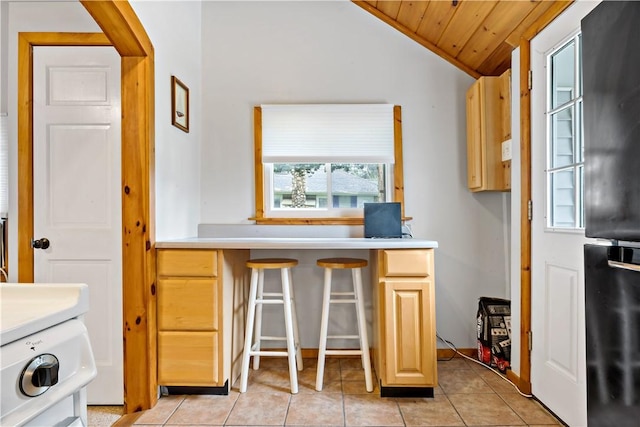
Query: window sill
(314,221)
(308,221)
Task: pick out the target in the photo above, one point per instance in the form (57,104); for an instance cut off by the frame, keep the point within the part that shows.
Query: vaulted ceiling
(477,36)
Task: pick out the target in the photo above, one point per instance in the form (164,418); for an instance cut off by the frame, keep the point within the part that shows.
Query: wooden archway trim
(123,30)
(119,22)
(122,27)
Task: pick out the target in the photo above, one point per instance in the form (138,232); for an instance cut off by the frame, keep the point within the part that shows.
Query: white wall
(314,52)
(24,16)
(304,52)
(177,153)
(174,30)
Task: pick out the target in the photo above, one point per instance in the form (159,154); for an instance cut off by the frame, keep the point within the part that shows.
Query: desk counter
(295,243)
(202,292)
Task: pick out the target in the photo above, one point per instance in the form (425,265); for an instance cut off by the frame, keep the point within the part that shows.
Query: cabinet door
(188,359)
(409,331)
(475,125)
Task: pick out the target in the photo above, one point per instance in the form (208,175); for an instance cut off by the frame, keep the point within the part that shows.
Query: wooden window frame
(260,218)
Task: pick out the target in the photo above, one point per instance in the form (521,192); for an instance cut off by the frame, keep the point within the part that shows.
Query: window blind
(318,133)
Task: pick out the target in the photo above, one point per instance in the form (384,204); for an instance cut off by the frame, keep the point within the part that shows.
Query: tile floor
(467,395)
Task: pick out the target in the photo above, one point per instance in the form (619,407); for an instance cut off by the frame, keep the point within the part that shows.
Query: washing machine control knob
(45,375)
(40,373)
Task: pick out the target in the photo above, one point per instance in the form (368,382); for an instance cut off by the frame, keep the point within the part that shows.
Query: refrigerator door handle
(624,265)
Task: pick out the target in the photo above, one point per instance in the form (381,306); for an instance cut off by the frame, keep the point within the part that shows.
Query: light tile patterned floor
(468,395)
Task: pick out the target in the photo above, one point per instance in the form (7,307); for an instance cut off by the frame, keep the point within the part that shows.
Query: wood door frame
(523,380)
(122,30)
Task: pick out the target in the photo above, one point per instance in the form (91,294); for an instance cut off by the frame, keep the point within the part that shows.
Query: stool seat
(342,263)
(253,334)
(272,263)
(356,297)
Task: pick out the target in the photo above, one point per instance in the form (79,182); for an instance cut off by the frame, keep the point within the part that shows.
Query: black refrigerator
(611,87)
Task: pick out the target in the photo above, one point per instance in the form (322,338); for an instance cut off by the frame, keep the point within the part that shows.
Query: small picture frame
(179,104)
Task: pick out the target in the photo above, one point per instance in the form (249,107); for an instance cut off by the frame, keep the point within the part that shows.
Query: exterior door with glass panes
(557,229)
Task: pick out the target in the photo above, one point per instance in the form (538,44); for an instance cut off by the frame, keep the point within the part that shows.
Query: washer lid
(29,308)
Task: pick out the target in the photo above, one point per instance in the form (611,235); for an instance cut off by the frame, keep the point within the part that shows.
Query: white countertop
(28,308)
(296,243)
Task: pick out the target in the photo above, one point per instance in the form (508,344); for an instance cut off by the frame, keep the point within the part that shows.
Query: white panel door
(77,203)
(558,371)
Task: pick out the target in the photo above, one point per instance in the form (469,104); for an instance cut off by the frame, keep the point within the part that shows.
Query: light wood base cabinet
(198,292)
(404,343)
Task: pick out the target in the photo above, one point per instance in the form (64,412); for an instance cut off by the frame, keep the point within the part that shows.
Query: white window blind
(318,133)
(4,165)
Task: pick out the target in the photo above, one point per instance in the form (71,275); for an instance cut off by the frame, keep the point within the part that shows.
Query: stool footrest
(343,293)
(269,301)
(343,301)
(271,338)
(268,353)
(343,352)
(343,337)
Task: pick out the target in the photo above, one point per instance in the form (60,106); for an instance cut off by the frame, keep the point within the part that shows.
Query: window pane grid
(320,187)
(565,137)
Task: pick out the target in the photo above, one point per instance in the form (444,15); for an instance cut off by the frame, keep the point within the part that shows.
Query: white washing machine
(46,359)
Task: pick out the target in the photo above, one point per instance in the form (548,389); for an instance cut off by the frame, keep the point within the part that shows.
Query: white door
(558,372)
(77,204)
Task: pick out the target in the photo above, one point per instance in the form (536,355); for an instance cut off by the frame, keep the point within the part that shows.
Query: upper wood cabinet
(488,126)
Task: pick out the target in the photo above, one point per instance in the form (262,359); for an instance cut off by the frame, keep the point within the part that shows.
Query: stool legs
(358,300)
(324,326)
(288,323)
(258,330)
(254,327)
(246,355)
(296,333)
(362,328)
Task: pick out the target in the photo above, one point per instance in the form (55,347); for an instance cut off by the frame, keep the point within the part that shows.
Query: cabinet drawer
(188,304)
(188,358)
(407,263)
(187,262)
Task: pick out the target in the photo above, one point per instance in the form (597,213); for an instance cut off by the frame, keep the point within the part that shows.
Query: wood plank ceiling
(475,35)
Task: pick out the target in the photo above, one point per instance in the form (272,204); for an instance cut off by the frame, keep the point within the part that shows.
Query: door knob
(40,243)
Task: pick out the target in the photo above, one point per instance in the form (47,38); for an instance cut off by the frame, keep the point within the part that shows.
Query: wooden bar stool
(257,297)
(357,298)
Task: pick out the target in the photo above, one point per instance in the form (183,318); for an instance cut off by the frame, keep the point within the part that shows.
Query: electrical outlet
(506,150)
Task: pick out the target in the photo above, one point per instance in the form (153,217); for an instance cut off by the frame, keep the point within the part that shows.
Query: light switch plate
(506,150)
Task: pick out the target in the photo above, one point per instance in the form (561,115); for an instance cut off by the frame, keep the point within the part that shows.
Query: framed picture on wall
(179,104)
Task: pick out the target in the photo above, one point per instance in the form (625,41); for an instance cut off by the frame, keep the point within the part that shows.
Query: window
(320,163)
(565,151)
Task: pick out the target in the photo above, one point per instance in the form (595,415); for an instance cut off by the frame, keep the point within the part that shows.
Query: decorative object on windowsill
(179,104)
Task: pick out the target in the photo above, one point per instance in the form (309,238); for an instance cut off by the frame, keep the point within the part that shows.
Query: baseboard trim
(447,353)
(127,420)
(442,353)
(523,386)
